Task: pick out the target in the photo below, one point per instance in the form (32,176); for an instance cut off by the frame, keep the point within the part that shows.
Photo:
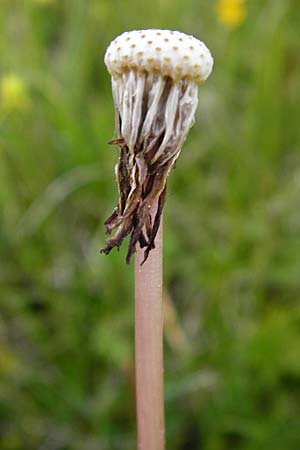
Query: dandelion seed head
(155,76)
(156,46)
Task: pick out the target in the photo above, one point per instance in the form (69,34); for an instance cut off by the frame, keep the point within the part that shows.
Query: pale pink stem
(149,347)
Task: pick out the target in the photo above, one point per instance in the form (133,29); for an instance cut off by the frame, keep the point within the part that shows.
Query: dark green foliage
(232,235)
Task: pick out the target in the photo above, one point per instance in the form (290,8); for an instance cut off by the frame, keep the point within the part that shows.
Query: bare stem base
(149,348)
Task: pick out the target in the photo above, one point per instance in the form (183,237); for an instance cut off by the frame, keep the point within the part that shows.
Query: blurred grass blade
(54,194)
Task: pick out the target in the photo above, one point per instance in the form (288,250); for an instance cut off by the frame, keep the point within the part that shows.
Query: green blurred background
(232,232)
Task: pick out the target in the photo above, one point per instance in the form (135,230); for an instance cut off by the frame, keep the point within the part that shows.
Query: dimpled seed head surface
(172,53)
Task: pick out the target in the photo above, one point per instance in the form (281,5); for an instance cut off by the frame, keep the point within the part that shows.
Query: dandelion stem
(149,347)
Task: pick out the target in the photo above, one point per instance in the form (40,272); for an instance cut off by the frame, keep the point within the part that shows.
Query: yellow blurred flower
(13,93)
(231,12)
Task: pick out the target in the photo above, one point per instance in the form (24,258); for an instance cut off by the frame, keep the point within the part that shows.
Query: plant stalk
(149,347)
